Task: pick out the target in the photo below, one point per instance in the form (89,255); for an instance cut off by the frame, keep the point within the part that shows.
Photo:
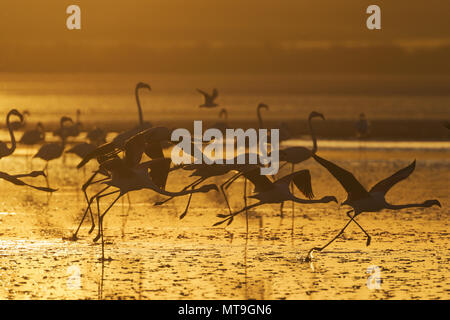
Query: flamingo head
(316,114)
(142,85)
(263,106)
(16,113)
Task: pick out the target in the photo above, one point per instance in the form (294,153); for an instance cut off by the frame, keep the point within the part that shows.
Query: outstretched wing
(159,170)
(215,94)
(354,189)
(385,185)
(206,95)
(105,150)
(261,182)
(302,180)
(14,180)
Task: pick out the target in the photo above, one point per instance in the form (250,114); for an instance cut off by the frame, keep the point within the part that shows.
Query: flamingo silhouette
(148,141)
(277,191)
(16,125)
(72,130)
(54,150)
(361,200)
(4,150)
(121,138)
(33,136)
(296,155)
(97,136)
(209,98)
(128,178)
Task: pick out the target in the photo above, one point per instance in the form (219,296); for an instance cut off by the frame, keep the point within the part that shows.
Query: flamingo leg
(330,242)
(225,186)
(281,210)
(190,197)
(100,217)
(245,204)
(293,203)
(101,221)
(89,201)
(185,188)
(369,238)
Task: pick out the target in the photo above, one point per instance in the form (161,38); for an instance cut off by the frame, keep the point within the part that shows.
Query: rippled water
(158,256)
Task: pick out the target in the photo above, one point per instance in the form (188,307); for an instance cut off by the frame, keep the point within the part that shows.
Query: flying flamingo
(148,141)
(277,191)
(51,151)
(127,179)
(4,150)
(209,98)
(296,155)
(121,138)
(362,200)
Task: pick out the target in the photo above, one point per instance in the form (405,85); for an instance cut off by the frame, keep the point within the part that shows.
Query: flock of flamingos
(121,169)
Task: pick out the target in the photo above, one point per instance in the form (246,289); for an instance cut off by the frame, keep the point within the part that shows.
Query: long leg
(330,242)
(225,186)
(245,204)
(100,219)
(365,232)
(190,197)
(281,210)
(293,203)
(89,201)
(185,188)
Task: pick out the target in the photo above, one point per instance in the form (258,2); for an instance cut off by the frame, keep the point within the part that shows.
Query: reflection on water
(158,256)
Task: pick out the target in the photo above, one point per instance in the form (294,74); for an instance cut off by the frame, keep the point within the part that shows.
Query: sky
(34,32)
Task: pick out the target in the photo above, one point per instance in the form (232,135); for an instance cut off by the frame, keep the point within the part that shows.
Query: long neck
(305,201)
(404,206)
(313,135)
(11,134)
(141,117)
(260,121)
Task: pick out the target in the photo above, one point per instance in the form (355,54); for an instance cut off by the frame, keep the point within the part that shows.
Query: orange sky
(36,28)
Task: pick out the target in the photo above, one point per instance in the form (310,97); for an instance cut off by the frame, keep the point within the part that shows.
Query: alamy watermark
(227,149)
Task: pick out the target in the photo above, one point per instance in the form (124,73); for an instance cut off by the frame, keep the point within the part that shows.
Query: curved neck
(313,135)
(11,134)
(298,200)
(141,117)
(260,121)
(404,206)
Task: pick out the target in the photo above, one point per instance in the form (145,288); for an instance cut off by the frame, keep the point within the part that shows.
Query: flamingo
(258,114)
(70,130)
(148,141)
(209,98)
(361,200)
(296,155)
(16,125)
(4,150)
(126,178)
(51,151)
(277,191)
(34,136)
(121,138)
(82,149)
(97,136)
(362,127)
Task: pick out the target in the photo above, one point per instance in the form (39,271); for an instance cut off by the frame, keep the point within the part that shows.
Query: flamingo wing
(261,182)
(215,94)
(302,180)
(159,170)
(353,187)
(385,185)
(206,95)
